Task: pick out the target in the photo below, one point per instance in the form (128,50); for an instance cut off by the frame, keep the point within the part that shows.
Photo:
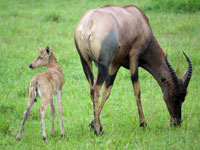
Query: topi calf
(45,84)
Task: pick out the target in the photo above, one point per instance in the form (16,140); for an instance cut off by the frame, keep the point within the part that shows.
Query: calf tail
(33,92)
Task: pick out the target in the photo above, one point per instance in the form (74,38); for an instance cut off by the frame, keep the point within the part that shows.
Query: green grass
(25,25)
(173,5)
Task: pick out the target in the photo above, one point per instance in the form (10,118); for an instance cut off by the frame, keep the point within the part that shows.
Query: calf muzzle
(30,66)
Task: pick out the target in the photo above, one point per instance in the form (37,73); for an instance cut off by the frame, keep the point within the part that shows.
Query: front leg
(136,86)
(52,111)
(58,98)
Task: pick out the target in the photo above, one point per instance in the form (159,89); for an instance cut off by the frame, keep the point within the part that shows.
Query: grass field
(25,25)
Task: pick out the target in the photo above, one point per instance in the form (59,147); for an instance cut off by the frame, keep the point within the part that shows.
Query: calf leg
(42,117)
(136,86)
(31,99)
(58,98)
(26,114)
(52,111)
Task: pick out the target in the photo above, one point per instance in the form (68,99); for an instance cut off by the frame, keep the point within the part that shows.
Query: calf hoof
(62,135)
(44,138)
(143,124)
(18,138)
(53,133)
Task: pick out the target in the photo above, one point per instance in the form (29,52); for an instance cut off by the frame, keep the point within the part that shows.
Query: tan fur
(46,83)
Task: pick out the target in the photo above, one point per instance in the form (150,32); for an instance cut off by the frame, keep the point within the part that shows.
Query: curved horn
(188,73)
(173,73)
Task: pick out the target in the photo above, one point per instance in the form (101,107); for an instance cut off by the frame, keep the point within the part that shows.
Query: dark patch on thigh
(110,80)
(109,46)
(86,67)
(102,73)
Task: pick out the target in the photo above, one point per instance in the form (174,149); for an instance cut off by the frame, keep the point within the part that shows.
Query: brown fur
(45,84)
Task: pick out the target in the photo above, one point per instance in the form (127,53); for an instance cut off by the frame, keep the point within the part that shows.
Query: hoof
(97,130)
(18,138)
(44,138)
(53,134)
(175,122)
(92,125)
(143,124)
(62,135)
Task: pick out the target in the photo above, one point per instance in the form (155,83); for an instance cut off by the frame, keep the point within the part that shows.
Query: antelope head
(175,99)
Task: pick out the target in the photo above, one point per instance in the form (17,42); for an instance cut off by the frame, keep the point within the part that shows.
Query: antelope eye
(40,57)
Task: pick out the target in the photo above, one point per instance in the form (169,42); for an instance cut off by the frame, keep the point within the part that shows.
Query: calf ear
(39,48)
(47,50)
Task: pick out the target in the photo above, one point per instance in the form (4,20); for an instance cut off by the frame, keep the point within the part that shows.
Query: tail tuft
(33,91)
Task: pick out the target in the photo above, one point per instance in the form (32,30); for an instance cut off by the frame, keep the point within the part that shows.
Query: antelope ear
(47,50)
(184,76)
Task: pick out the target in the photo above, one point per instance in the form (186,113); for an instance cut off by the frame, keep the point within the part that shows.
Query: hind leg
(87,67)
(52,111)
(58,98)
(31,99)
(45,103)
(95,124)
(26,114)
(113,69)
(101,77)
(94,93)
(94,88)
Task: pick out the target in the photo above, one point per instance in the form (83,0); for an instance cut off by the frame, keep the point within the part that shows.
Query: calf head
(42,58)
